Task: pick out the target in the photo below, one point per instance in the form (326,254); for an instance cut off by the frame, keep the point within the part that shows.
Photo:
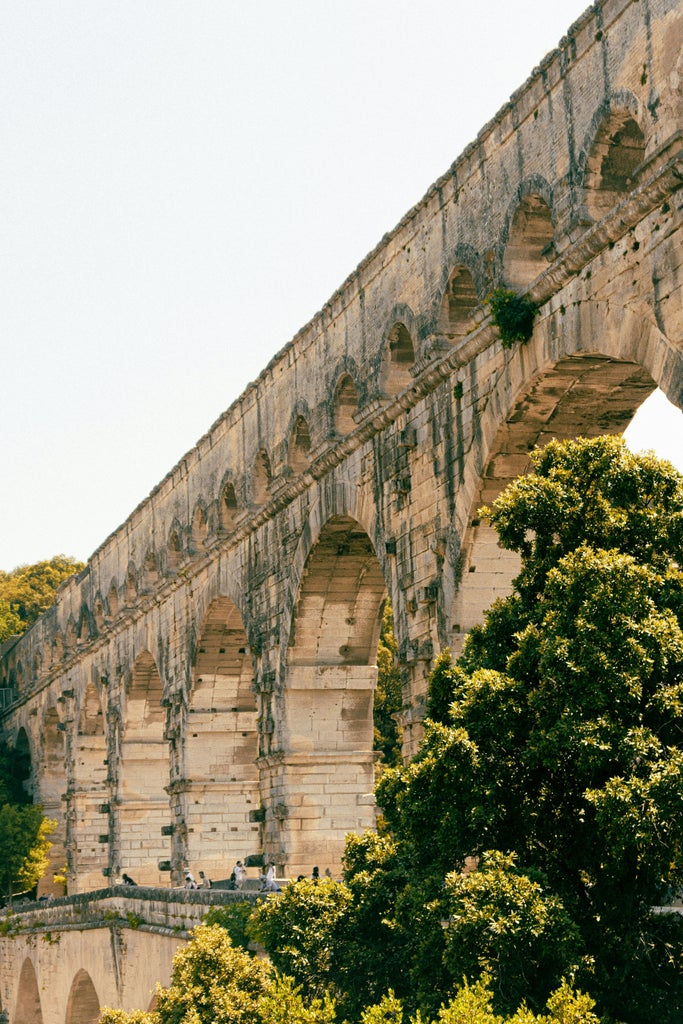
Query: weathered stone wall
(203,690)
(64,961)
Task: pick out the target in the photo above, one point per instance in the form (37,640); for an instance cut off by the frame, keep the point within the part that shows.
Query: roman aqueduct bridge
(203,690)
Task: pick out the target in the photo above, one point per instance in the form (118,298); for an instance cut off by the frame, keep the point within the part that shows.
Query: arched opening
(143,803)
(618,149)
(174,551)
(657,425)
(200,529)
(150,571)
(52,783)
(71,637)
(582,395)
(260,478)
(48,653)
(299,446)
(344,405)
(529,248)
(83,1006)
(221,746)
(28,1008)
(84,630)
(58,649)
(98,613)
(228,507)
(21,764)
(89,798)
(328,761)
(399,357)
(458,305)
(113,600)
(131,587)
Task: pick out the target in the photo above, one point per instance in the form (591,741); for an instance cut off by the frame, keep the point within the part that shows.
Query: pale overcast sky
(182,186)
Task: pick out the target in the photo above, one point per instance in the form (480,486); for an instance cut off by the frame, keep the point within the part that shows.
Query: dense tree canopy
(551,764)
(213,982)
(29,590)
(558,736)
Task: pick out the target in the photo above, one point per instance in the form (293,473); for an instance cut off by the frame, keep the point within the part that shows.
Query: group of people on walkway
(238,877)
(267,882)
(192,883)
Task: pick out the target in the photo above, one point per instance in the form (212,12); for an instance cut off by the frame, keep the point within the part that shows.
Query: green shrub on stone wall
(513,315)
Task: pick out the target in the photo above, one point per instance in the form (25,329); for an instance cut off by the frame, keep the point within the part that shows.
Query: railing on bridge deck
(172,911)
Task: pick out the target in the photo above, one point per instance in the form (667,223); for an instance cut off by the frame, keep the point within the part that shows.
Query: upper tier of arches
(615,155)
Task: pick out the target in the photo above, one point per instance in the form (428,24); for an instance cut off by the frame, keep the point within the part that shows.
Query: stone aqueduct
(203,689)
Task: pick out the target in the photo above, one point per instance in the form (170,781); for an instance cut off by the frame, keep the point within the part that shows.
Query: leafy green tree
(24,832)
(473,1004)
(29,590)
(24,845)
(441,688)
(370,954)
(284,1003)
(340,938)
(214,983)
(112,1016)
(563,738)
(234,917)
(506,925)
(389,1010)
(388,693)
(10,621)
(301,929)
(211,983)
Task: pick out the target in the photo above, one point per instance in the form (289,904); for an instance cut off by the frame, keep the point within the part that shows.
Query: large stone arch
(142,801)
(220,794)
(326,755)
(83,1006)
(339,499)
(557,390)
(89,796)
(28,1008)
